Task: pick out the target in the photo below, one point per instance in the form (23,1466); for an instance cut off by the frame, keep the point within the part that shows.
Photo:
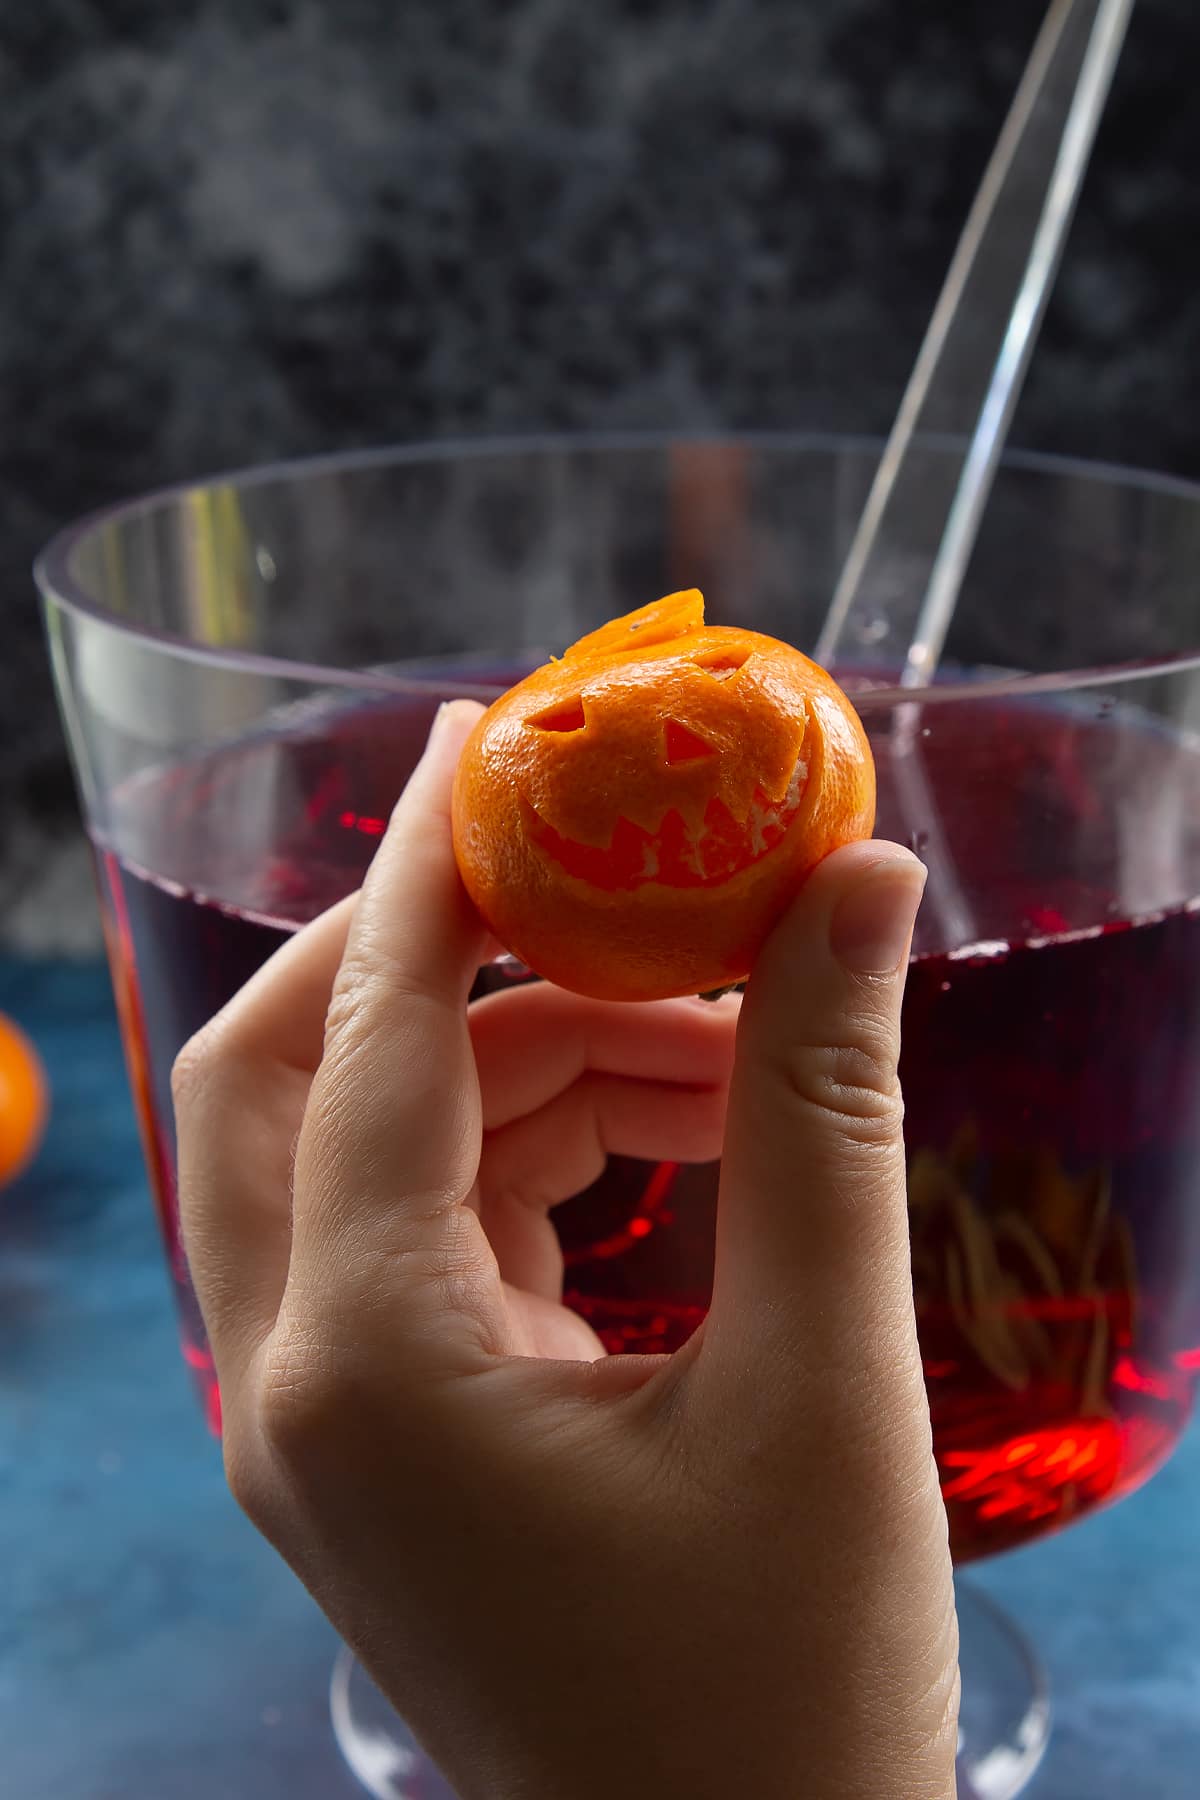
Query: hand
(720,1572)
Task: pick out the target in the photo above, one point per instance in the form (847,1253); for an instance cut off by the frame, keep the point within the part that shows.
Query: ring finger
(532,1164)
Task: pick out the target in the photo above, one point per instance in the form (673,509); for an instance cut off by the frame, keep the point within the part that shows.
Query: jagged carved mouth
(690,846)
(675,855)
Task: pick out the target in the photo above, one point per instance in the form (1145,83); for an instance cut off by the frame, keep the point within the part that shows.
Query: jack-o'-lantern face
(662,772)
(677,768)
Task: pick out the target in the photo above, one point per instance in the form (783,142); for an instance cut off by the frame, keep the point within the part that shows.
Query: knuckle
(852,1084)
(374,988)
(303,1401)
(193,1068)
(247,1476)
(456,1275)
(367,984)
(344,1009)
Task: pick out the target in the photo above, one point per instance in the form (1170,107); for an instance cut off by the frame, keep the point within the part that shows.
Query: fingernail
(873,923)
(444,719)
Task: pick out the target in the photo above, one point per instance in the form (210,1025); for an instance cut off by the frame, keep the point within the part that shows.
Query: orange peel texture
(631,820)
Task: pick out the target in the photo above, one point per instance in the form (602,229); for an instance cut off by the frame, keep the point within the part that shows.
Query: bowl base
(1004,1721)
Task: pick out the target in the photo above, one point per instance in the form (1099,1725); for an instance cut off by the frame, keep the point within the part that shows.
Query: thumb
(813,1226)
(806,1385)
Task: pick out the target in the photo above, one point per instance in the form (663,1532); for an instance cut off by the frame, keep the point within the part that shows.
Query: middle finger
(532,1043)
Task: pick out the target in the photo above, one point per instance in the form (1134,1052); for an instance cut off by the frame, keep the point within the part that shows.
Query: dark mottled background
(254,228)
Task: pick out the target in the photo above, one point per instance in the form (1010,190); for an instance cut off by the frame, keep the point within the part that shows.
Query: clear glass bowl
(247,668)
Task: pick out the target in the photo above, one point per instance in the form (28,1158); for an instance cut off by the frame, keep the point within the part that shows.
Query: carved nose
(684,746)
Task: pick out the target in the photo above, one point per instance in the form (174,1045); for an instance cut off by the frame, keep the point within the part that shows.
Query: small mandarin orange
(23,1100)
(632,819)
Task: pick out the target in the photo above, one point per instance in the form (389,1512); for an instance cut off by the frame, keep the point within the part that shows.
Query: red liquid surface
(1051,1068)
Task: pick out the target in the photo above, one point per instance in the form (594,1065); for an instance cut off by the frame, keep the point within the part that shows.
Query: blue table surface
(153,1648)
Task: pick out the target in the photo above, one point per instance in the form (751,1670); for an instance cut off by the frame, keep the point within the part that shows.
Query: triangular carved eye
(684,746)
(565,715)
(721,663)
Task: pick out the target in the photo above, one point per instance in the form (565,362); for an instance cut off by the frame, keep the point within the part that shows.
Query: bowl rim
(59,589)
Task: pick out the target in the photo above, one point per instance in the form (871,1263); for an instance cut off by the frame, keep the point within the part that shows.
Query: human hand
(576,1575)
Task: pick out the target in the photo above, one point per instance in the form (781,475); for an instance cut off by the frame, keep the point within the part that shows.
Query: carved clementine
(631,820)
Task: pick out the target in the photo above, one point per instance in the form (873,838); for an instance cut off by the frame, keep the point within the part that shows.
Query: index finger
(414,932)
(390,1143)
